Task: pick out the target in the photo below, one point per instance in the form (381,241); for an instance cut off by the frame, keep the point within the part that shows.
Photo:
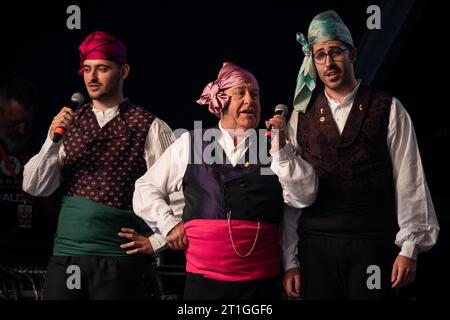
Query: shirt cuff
(290,265)
(289,260)
(50,147)
(409,249)
(158,242)
(283,154)
(168,224)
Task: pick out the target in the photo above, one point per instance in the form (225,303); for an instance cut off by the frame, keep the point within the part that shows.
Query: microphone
(76,100)
(280,109)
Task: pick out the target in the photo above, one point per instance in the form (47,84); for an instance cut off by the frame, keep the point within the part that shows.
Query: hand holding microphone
(63,120)
(277,142)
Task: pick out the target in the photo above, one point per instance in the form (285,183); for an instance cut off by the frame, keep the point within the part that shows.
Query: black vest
(212,190)
(356,194)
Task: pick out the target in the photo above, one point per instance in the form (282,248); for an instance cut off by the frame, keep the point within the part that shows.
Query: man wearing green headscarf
(373,212)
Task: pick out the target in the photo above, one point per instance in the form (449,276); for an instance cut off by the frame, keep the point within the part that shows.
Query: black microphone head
(281,109)
(77,98)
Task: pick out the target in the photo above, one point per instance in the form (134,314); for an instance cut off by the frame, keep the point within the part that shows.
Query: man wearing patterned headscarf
(229,225)
(372,191)
(109,142)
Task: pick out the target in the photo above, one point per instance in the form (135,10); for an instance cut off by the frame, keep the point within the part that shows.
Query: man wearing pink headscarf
(108,144)
(229,225)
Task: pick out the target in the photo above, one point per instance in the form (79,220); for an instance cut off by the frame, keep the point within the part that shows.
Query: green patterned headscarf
(324,27)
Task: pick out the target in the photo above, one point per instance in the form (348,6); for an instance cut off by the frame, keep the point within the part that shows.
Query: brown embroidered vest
(356,194)
(102,164)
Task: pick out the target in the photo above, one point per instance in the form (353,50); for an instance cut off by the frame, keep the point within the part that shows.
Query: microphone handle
(269,133)
(269,139)
(59,132)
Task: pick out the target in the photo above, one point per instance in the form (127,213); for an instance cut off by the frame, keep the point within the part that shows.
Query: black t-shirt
(26,230)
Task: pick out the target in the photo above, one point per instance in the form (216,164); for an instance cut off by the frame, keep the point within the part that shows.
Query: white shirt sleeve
(42,174)
(156,191)
(416,217)
(291,127)
(297,177)
(289,237)
(159,138)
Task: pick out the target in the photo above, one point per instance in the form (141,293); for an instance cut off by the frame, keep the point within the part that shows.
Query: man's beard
(102,95)
(109,92)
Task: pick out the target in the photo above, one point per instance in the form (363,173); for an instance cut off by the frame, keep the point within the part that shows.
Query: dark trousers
(200,288)
(102,278)
(339,267)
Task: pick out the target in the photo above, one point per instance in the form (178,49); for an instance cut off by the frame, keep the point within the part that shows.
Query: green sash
(86,227)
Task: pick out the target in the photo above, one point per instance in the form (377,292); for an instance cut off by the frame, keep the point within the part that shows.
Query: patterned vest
(102,164)
(356,194)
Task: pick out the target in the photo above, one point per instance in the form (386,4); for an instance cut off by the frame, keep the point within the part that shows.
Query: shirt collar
(348,100)
(107,112)
(228,137)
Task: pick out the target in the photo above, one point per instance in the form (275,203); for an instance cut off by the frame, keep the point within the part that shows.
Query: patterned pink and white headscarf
(229,76)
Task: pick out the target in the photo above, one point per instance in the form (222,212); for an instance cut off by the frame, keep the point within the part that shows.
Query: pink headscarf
(102,46)
(229,76)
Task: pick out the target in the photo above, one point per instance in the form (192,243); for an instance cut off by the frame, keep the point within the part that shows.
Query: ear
(353,55)
(124,71)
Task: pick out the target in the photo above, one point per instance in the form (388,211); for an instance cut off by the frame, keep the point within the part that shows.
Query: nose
(328,60)
(248,98)
(92,75)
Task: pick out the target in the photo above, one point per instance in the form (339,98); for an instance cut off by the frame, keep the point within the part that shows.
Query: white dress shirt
(42,174)
(416,217)
(150,199)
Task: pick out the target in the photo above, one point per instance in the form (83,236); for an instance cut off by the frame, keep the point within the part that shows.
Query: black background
(176,48)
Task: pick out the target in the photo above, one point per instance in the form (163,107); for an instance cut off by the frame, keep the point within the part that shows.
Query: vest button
(243,185)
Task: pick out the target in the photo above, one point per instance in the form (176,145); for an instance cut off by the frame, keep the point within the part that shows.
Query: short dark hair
(21,90)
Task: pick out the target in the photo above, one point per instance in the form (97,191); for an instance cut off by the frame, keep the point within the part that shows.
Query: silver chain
(231,237)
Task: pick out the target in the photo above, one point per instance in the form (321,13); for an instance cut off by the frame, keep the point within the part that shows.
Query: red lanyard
(7,162)
(12,172)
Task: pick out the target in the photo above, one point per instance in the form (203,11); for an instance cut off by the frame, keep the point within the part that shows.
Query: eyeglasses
(337,54)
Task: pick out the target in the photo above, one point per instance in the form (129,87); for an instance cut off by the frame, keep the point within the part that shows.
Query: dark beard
(103,96)
(110,93)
